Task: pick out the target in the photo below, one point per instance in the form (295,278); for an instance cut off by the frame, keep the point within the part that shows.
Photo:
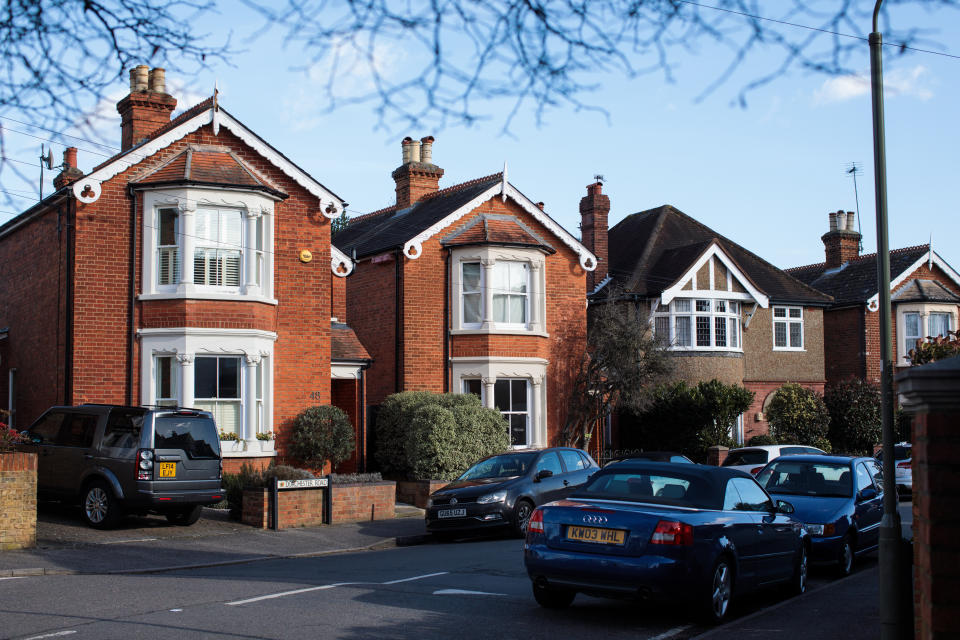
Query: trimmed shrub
(354,478)
(423,435)
(798,415)
(761,440)
(855,424)
(320,434)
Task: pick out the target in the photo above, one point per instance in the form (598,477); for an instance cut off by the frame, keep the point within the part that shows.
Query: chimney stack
(841,242)
(594,210)
(69,172)
(147,108)
(417,176)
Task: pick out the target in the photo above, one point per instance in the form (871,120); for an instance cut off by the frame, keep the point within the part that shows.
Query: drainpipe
(362,419)
(132,292)
(68,306)
(397,324)
(447,382)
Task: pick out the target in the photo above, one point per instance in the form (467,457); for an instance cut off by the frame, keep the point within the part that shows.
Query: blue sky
(765,176)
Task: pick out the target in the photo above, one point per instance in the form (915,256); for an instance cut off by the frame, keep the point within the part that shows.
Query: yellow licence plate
(168,469)
(593,534)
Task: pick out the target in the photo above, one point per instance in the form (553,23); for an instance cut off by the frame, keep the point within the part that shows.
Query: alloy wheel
(95,505)
(523,511)
(721,590)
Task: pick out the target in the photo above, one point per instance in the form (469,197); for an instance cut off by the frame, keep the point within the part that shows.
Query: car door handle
(88,456)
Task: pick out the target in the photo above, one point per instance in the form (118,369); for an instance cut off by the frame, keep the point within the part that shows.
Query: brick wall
(372,317)
(416,492)
(364,501)
(297,508)
(763,392)
(233,465)
(18,500)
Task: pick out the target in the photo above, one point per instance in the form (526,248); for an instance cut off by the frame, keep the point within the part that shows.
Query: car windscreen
(194,435)
(506,465)
(746,456)
(795,477)
(662,487)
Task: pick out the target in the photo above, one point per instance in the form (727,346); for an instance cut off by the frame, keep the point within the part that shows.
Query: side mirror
(543,473)
(867,494)
(784,507)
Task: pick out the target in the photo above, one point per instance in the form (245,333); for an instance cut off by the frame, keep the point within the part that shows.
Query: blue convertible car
(664,531)
(838,498)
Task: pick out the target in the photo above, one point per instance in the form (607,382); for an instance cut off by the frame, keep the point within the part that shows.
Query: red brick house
(469,289)
(725,312)
(924,296)
(192,268)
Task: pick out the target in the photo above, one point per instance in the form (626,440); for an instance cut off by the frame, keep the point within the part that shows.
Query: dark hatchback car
(118,460)
(503,490)
(838,498)
(663,531)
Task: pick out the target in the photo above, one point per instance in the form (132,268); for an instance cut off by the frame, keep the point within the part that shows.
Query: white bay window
(498,290)
(918,321)
(699,324)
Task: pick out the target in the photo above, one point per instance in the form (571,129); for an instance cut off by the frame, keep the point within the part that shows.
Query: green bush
(799,416)
(249,478)
(423,435)
(855,425)
(760,440)
(320,434)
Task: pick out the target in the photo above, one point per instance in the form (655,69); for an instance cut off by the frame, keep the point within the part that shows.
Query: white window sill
(706,349)
(250,453)
(207,295)
(800,350)
(505,332)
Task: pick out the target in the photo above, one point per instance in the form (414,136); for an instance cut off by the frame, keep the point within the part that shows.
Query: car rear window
(799,477)
(195,435)
(123,429)
(655,487)
(746,456)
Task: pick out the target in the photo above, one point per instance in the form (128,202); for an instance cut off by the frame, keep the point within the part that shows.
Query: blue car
(657,530)
(838,498)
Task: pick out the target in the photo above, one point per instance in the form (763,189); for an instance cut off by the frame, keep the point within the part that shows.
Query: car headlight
(819,529)
(429,502)
(496,496)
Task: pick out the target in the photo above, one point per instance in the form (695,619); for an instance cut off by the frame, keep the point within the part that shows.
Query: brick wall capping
(931,387)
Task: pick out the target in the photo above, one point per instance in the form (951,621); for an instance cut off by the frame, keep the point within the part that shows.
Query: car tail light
(903,465)
(755,470)
(145,464)
(673,533)
(535,523)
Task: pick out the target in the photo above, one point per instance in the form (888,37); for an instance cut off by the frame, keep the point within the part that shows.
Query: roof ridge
(458,187)
(865,256)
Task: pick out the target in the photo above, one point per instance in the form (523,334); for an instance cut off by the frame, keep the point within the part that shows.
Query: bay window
(498,290)
(919,321)
(510,292)
(703,324)
(788,328)
(510,399)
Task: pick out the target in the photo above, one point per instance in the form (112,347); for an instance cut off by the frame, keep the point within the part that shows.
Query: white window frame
(924,310)
(787,320)
(490,369)
(213,404)
(220,249)
(505,265)
(672,313)
(256,262)
(184,344)
(489,257)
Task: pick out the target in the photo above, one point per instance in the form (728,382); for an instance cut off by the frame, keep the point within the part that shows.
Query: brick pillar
(716,455)
(18,500)
(931,393)
(147,108)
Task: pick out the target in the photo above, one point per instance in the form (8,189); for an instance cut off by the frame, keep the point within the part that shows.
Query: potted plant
(230,441)
(266,441)
(9,438)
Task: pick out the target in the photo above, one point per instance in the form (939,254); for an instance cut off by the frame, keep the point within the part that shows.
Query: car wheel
(184,517)
(719,593)
(551,598)
(521,515)
(846,557)
(98,506)
(799,583)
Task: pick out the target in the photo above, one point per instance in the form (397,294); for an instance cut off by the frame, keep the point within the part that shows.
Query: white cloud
(916,82)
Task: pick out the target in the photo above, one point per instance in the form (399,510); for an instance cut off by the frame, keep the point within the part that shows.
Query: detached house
(724,312)
(469,289)
(193,268)
(924,297)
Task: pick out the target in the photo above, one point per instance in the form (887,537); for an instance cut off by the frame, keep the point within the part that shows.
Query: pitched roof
(206,164)
(499,229)
(918,290)
(855,282)
(650,250)
(345,345)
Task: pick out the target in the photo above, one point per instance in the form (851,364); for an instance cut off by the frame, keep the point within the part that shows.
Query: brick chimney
(417,176)
(842,241)
(69,172)
(147,108)
(594,209)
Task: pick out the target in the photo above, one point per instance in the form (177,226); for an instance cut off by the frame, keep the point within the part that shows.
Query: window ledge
(504,332)
(789,349)
(705,353)
(255,453)
(211,295)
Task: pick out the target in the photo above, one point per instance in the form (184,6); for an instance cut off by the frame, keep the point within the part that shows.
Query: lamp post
(891,618)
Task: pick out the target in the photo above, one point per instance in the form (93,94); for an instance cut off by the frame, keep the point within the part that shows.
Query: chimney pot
(426,150)
(140,79)
(70,158)
(158,82)
(540,205)
(407,146)
(850,220)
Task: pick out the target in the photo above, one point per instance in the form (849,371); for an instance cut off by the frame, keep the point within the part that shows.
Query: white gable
(930,257)
(714,252)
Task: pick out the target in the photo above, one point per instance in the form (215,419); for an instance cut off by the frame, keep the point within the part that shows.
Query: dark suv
(119,459)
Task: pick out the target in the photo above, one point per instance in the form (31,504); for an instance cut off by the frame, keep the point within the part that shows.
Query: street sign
(313,483)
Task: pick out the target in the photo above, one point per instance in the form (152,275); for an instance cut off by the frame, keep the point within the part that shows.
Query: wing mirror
(867,494)
(543,473)
(784,507)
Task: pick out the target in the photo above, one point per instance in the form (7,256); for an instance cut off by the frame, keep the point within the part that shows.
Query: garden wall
(416,492)
(18,500)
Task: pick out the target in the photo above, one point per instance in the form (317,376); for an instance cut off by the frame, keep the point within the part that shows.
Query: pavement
(840,608)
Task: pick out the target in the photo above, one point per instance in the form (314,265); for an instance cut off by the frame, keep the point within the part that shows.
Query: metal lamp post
(892,621)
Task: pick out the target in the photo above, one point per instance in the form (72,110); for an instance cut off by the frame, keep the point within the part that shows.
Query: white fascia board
(873,303)
(138,154)
(412,248)
(714,250)
(338,258)
(203,332)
